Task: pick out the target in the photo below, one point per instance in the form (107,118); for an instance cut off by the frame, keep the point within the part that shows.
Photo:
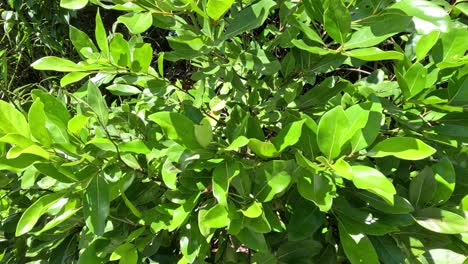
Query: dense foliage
(222,131)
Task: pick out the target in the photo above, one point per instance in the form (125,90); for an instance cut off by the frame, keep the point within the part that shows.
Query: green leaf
(52,63)
(444,174)
(77,123)
(288,136)
(37,123)
(331,132)
(237,143)
(81,41)
(458,91)
(357,247)
(30,217)
(12,120)
(443,256)
(299,43)
(137,22)
(142,57)
(222,176)
(274,177)
(126,253)
(400,204)
(97,103)
(425,44)
(374,181)
(263,149)
(55,109)
(387,249)
(101,35)
(428,16)
(177,127)
(422,187)
(305,220)
(374,54)
(451,46)
(298,251)
(406,148)
(96,204)
(182,213)
(318,188)
(249,18)
(441,221)
(253,211)
(253,240)
(337,20)
(308,31)
(134,146)
(123,89)
(216,8)
(169,174)
(204,132)
(378,30)
(414,80)
(73,77)
(119,51)
(73,4)
(365,136)
(216,217)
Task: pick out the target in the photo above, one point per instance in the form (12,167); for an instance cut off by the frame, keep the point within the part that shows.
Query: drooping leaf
(357,247)
(96,204)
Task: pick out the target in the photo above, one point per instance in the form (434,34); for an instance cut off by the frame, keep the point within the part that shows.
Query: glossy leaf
(357,247)
(402,147)
(30,217)
(222,176)
(177,127)
(249,18)
(374,181)
(441,221)
(136,22)
(96,204)
(12,121)
(337,20)
(216,8)
(216,217)
(73,4)
(97,103)
(374,54)
(52,63)
(331,132)
(425,44)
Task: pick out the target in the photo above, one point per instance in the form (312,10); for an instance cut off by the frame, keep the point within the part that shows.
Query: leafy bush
(315,131)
